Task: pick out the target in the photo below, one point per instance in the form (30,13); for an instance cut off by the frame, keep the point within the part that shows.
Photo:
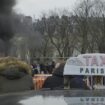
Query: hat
(12,62)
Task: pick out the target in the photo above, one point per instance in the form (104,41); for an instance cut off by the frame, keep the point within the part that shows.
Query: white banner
(84,70)
(86,64)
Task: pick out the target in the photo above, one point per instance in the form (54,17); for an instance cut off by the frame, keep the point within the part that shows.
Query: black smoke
(6,6)
(6,29)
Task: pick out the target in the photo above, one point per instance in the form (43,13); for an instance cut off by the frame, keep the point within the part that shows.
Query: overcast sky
(36,7)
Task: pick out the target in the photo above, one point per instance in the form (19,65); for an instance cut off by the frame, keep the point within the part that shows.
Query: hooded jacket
(56,81)
(14,78)
(78,83)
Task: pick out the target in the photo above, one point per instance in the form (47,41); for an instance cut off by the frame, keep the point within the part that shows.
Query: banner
(86,64)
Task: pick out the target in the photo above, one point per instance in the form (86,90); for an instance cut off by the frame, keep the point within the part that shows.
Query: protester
(52,67)
(56,80)
(15,75)
(43,69)
(77,83)
(34,69)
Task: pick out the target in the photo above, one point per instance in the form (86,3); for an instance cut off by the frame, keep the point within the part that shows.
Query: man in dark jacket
(78,83)
(56,81)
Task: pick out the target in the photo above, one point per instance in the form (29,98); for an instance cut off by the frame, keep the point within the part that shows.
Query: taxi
(91,66)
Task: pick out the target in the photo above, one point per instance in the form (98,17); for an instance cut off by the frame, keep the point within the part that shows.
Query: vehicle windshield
(51,46)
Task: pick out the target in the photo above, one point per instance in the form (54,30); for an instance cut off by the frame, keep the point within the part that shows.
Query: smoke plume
(6,6)
(6,32)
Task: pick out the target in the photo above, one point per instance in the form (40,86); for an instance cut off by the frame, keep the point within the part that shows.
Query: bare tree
(99,25)
(83,18)
(59,31)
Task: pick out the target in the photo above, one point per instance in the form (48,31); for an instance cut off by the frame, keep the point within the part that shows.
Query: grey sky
(36,7)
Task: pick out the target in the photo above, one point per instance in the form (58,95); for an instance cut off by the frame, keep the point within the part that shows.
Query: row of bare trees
(65,34)
(82,31)
(90,19)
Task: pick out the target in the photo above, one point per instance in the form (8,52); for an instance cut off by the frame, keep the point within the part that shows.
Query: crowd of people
(17,76)
(56,81)
(41,68)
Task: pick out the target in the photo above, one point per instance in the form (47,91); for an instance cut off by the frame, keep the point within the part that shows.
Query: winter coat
(15,81)
(53,82)
(56,81)
(15,75)
(78,83)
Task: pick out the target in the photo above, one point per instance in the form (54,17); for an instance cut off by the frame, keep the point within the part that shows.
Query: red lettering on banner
(87,59)
(102,60)
(94,61)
